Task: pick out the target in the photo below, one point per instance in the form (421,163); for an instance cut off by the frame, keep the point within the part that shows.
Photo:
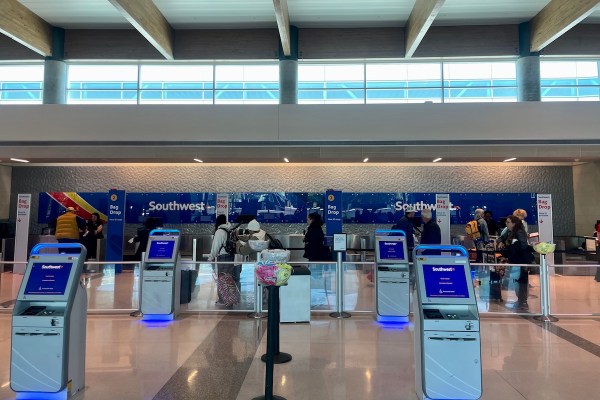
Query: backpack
(230,243)
(472,230)
(274,243)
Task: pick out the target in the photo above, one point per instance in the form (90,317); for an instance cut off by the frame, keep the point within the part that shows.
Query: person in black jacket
(517,250)
(314,246)
(431,230)
(406,224)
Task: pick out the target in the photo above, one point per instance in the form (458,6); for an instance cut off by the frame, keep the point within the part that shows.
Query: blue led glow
(63,394)
(399,326)
(158,318)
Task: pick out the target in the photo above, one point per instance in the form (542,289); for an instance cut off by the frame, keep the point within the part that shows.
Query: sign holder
(339,246)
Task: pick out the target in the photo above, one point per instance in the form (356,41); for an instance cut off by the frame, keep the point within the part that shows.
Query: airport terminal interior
(299,199)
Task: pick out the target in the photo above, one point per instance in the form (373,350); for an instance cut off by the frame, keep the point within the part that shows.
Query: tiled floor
(218,357)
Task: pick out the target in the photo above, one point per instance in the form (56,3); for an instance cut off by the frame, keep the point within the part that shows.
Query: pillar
(288,71)
(55,71)
(528,67)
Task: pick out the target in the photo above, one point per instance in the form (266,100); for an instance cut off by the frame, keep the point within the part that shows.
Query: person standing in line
(314,240)
(406,224)
(93,232)
(67,229)
(516,249)
(492,225)
(522,214)
(431,230)
(218,251)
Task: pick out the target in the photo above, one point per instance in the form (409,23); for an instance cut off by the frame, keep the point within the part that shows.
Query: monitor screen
(391,250)
(445,281)
(161,249)
(48,278)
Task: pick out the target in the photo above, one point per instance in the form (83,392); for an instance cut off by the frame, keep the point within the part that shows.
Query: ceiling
(302,154)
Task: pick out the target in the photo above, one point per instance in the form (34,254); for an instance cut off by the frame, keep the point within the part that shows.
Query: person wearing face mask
(254,233)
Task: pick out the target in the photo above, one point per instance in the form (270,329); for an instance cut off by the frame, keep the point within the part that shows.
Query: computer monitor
(48,279)
(444,280)
(391,249)
(162,249)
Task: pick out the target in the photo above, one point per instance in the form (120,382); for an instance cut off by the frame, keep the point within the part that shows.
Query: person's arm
(99,229)
(217,243)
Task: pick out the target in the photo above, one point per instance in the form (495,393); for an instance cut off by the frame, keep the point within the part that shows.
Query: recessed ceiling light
(437,159)
(366,159)
(198,160)
(19,160)
(285,159)
(510,159)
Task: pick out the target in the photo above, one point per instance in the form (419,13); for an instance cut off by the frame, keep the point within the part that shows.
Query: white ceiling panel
(78,14)
(196,14)
(349,13)
(488,12)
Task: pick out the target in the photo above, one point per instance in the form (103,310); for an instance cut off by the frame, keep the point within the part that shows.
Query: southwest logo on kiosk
(331,197)
(443,269)
(113,197)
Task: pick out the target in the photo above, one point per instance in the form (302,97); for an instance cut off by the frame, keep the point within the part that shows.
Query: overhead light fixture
(19,160)
(437,159)
(366,159)
(510,159)
(198,160)
(285,159)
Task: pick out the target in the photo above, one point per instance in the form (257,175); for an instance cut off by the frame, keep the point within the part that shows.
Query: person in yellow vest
(67,229)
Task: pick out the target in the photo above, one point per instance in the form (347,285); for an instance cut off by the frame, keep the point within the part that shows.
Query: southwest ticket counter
(447,338)
(49,325)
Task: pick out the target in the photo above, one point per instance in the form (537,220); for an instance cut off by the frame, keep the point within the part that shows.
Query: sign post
(545,228)
(22,232)
(442,216)
(222,205)
(115,227)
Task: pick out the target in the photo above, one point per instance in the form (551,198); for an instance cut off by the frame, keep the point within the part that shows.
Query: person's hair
(488,212)
(519,212)
(97,216)
(479,212)
(315,219)
(426,213)
(221,219)
(518,225)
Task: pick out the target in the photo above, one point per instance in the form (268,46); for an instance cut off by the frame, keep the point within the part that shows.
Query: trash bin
(294,298)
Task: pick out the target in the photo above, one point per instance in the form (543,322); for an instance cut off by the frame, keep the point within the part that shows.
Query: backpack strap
(226,239)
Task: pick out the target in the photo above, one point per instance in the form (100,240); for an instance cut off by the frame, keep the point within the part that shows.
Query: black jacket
(518,252)
(314,248)
(431,233)
(406,224)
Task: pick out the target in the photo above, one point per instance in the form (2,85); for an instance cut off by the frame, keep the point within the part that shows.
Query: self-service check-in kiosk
(447,340)
(392,286)
(49,326)
(161,276)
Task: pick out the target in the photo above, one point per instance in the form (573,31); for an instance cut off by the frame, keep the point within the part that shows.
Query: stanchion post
(138,313)
(279,357)
(339,289)
(271,335)
(545,292)
(194,252)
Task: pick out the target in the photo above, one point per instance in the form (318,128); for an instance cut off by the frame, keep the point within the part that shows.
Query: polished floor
(218,357)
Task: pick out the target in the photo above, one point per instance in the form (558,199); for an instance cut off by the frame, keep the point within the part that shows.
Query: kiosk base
(387,318)
(158,317)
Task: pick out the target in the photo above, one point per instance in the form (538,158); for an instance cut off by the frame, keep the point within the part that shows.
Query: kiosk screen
(48,279)
(161,249)
(391,251)
(445,281)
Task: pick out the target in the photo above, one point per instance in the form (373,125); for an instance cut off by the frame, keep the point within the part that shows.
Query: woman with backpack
(218,251)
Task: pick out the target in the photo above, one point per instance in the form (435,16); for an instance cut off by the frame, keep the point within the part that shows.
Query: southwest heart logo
(113,197)
(331,197)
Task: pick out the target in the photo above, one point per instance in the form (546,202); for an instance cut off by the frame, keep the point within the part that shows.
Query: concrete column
(55,82)
(55,70)
(288,71)
(528,67)
(288,81)
(528,79)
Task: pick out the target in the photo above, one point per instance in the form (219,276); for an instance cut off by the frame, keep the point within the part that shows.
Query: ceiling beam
(21,24)
(422,16)
(149,21)
(557,18)
(283,24)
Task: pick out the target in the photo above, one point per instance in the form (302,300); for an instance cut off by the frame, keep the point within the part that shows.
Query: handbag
(227,289)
